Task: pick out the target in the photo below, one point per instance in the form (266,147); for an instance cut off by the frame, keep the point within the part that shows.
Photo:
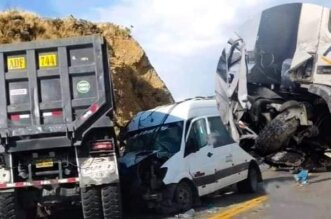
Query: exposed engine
(142,177)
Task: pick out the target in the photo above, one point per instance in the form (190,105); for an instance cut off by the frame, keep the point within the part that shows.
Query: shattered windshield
(164,138)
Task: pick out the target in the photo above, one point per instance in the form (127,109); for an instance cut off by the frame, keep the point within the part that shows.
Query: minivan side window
(218,129)
(197,137)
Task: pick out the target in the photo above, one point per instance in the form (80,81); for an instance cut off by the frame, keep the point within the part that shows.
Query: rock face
(136,84)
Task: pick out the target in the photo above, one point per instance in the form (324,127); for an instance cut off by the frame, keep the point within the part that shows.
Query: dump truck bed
(53,87)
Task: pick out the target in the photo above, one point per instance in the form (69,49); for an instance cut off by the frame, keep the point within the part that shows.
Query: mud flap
(98,171)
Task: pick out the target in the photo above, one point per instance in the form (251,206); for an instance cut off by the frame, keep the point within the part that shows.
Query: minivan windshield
(164,138)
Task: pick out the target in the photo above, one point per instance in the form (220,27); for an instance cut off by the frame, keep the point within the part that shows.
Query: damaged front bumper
(161,200)
(135,194)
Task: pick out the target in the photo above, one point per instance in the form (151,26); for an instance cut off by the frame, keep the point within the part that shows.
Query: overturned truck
(273,86)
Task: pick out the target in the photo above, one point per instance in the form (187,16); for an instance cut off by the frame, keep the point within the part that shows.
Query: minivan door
(198,156)
(223,149)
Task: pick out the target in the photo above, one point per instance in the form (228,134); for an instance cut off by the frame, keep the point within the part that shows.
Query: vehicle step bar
(38,183)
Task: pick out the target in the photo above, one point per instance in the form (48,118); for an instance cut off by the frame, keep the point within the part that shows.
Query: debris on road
(188,214)
(302,176)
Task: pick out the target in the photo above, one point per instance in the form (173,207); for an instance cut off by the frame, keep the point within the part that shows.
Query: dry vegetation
(136,83)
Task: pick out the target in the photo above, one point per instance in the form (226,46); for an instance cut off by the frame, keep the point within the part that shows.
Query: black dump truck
(58,146)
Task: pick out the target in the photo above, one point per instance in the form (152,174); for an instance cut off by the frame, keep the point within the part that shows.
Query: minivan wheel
(250,185)
(111,201)
(183,196)
(91,203)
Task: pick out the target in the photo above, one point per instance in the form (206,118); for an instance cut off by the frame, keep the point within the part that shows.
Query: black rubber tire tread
(246,186)
(111,201)
(186,186)
(275,134)
(8,208)
(91,203)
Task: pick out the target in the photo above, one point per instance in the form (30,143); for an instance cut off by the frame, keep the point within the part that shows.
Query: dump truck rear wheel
(111,201)
(275,134)
(11,208)
(91,203)
(8,205)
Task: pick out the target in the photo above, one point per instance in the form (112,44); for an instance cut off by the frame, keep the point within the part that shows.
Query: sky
(182,38)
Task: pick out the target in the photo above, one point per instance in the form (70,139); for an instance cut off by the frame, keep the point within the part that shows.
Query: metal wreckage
(273,86)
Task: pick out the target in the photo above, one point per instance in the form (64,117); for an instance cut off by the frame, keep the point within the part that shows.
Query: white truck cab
(177,153)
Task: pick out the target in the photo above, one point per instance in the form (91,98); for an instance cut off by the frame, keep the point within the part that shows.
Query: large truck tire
(8,205)
(276,134)
(91,203)
(11,207)
(111,201)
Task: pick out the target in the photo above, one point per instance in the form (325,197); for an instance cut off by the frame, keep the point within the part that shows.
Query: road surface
(284,199)
(280,197)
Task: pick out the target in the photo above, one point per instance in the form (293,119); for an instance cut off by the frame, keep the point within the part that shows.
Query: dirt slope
(137,85)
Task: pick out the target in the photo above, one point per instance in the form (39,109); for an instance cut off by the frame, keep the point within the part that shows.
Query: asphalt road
(285,199)
(288,200)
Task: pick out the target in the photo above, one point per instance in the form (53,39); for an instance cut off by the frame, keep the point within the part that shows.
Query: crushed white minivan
(177,153)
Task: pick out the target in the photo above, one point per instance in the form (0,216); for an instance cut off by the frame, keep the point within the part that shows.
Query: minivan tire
(111,201)
(91,203)
(251,184)
(184,196)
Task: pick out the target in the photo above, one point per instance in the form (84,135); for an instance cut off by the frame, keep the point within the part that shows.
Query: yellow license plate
(47,60)
(44,164)
(16,63)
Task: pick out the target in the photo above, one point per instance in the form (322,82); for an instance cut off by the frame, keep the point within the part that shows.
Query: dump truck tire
(8,208)
(11,208)
(91,203)
(111,201)
(275,134)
